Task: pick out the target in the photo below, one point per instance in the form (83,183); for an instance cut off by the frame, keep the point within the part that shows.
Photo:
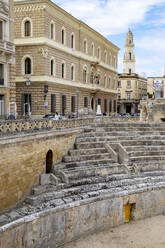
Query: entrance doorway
(129,212)
(49,162)
(128,108)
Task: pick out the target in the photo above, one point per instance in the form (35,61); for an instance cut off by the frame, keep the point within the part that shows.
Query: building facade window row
(27,28)
(94,78)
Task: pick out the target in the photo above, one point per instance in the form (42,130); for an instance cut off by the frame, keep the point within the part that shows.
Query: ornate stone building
(131,87)
(158,84)
(68,64)
(7,61)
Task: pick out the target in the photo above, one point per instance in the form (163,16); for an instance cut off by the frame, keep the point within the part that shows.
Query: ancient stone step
(133,129)
(119,138)
(144,148)
(75,152)
(87,157)
(150,142)
(90,171)
(100,162)
(147,158)
(147,153)
(88,145)
(121,133)
(39,189)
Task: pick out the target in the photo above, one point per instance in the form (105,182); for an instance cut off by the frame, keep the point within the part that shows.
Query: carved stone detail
(4,7)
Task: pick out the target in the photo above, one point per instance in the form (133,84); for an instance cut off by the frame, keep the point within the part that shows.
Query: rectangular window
(27,99)
(99,101)
(63,104)
(53,103)
(129,71)
(119,84)
(1,74)
(118,96)
(128,96)
(1,105)
(1,30)
(110,106)
(52,65)
(114,105)
(73,104)
(105,105)
(85,102)
(128,83)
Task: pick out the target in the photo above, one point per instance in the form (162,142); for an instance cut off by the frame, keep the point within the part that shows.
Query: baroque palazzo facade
(7,60)
(68,64)
(131,87)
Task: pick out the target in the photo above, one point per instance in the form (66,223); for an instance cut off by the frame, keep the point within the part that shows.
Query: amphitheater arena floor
(148,233)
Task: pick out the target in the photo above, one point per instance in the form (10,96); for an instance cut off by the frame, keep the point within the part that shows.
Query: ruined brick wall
(24,158)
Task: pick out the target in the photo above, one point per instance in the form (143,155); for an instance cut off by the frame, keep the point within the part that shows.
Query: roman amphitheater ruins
(75,177)
(63,179)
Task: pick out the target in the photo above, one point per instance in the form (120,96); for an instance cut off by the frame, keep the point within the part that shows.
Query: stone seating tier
(108,159)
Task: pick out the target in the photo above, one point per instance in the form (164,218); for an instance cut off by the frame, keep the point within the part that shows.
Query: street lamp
(77,96)
(28,82)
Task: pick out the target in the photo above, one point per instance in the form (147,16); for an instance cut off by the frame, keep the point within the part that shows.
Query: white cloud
(111,16)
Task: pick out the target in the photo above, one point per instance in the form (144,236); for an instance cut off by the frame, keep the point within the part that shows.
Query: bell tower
(129,55)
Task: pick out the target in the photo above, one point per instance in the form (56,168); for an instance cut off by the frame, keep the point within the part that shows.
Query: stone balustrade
(14,126)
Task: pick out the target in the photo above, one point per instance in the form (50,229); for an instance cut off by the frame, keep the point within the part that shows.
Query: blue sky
(112,18)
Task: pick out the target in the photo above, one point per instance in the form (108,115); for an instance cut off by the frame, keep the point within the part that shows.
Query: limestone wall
(23,159)
(54,227)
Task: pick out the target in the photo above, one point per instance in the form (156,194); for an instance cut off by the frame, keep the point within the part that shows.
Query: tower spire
(129,55)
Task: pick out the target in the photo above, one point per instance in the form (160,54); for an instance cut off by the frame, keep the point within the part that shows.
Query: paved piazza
(148,233)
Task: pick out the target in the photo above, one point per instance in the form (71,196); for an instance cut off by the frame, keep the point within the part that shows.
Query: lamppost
(77,96)
(28,82)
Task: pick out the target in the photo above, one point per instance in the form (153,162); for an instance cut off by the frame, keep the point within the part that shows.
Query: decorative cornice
(30,8)
(63,82)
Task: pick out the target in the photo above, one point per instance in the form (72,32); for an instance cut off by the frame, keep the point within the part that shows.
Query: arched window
(72,41)
(52,30)
(92,50)
(27,66)
(98,53)
(85,46)
(110,59)
(72,73)
(105,57)
(109,83)
(63,36)
(63,70)
(85,74)
(130,56)
(27,28)
(105,81)
(52,67)
(92,78)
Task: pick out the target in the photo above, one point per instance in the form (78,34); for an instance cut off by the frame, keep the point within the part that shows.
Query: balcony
(7,47)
